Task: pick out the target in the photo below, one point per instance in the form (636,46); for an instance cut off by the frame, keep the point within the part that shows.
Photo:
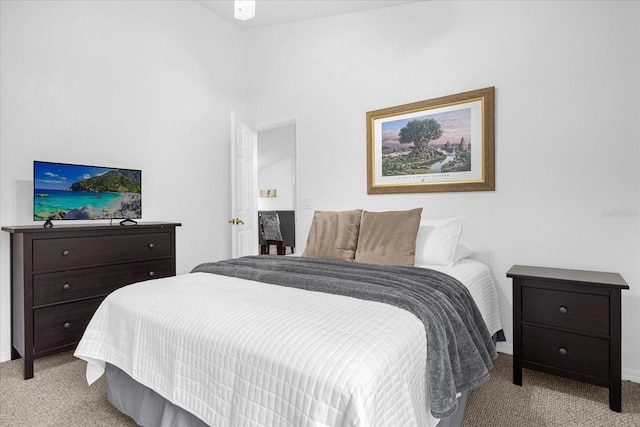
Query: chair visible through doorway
(270,232)
(277,228)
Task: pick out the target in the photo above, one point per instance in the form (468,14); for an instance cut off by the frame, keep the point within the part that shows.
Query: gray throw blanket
(459,346)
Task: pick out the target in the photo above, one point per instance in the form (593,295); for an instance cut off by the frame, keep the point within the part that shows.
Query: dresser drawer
(58,254)
(62,325)
(571,352)
(49,288)
(567,310)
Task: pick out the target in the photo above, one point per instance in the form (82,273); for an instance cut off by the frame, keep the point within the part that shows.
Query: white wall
(567,134)
(277,176)
(150,85)
(276,167)
(139,84)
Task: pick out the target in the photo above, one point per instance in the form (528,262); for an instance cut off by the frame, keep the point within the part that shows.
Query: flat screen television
(63,191)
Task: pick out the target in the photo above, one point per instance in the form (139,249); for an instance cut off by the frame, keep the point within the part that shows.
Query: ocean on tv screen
(63,192)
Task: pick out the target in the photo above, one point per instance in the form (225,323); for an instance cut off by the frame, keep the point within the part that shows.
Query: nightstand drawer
(49,288)
(576,353)
(567,310)
(62,324)
(58,254)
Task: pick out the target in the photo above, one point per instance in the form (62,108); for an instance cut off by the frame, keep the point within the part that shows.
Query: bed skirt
(148,408)
(144,405)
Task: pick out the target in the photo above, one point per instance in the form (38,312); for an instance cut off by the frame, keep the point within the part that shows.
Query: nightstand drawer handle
(66,286)
(67,325)
(151,245)
(563,351)
(152,273)
(563,310)
(65,252)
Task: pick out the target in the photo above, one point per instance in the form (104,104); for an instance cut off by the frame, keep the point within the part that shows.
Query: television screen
(64,191)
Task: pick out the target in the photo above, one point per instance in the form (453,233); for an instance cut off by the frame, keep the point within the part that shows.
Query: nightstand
(567,323)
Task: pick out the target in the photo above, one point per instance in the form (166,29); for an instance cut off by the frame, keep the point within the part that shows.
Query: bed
(297,341)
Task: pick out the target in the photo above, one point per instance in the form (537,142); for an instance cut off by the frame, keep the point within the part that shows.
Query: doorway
(277,153)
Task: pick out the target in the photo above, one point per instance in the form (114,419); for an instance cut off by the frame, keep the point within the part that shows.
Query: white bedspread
(477,277)
(235,352)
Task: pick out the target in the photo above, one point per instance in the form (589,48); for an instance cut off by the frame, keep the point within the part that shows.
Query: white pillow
(462,252)
(437,241)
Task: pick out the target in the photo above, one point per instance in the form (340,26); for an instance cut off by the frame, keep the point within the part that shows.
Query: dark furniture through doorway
(287,230)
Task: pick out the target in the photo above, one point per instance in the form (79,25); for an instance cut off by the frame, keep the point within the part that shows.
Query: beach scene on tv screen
(64,191)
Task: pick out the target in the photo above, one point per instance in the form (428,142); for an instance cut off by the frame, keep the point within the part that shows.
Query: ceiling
(274,12)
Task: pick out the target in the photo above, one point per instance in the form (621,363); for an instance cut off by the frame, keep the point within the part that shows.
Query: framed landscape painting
(437,145)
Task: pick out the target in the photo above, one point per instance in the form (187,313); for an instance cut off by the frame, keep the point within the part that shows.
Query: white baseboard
(631,375)
(5,355)
(505,347)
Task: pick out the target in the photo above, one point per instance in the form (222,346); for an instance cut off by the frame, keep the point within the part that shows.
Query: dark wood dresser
(568,323)
(60,275)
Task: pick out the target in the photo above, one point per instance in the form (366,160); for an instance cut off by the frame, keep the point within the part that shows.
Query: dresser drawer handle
(67,325)
(65,252)
(151,245)
(66,286)
(563,351)
(563,310)
(152,273)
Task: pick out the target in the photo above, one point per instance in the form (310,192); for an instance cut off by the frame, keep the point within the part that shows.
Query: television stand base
(128,222)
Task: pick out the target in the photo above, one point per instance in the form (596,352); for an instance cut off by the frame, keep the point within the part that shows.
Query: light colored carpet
(547,400)
(58,395)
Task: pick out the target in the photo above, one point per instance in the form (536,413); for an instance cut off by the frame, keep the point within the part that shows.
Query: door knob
(236,221)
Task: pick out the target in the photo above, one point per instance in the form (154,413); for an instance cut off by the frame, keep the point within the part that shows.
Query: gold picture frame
(438,145)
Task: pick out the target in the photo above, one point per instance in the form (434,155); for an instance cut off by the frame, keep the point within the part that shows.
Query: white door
(244,179)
